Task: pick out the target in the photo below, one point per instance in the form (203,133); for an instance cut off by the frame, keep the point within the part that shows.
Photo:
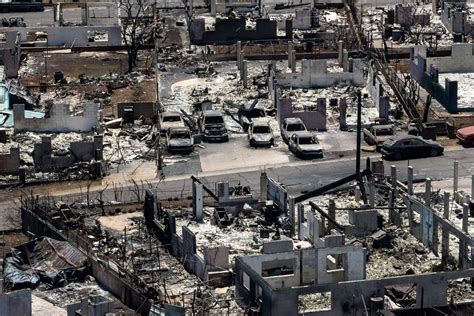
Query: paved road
(298,176)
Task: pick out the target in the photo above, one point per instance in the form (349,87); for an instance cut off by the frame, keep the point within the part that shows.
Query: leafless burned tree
(137,26)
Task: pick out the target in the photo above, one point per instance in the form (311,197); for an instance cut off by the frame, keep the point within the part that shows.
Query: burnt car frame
(170,120)
(304,144)
(291,125)
(260,134)
(212,126)
(179,140)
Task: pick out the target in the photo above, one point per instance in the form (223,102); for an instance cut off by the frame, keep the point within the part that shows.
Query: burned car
(170,119)
(212,126)
(179,140)
(303,144)
(248,115)
(260,134)
(410,147)
(376,134)
(291,125)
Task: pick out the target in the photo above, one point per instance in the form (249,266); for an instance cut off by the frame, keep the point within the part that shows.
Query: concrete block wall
(79,151)
(353,264)
(197,28)
(10,163)
(217,258)
(58,121)
(212,266)
(140,109)
(86,151)
(106,19)
(91,14)
(259,263)
(343,113)
(71,36)
(460,61)
(431,291)
(119,286)
(423,19)
(308,273)
(177,246)
(307,230)
(425,71)
(92,305)
(376,92)
(309,266)
(16,303)
(189,247)
(184,248)
(313,230)
(302,20)
(455,18)
(404,15)
(279,295)
(314,74)
(230,31)
(314,120)
(431,288)
(276,246)
(10,53)
(364,222)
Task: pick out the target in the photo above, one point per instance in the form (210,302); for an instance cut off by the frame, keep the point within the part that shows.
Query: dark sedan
(410,147)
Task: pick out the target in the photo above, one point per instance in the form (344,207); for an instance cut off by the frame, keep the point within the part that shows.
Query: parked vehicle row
(211,126)
(179,138)
(302,143)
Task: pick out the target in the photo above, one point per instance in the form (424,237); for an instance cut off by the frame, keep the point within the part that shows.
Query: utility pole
(358,149)
(157,72)
(157,88)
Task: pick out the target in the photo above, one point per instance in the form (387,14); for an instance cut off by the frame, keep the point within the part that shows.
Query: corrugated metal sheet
(46,260)
(52,255)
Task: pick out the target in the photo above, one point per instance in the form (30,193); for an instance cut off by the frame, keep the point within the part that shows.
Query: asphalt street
(298,177)
(302,176)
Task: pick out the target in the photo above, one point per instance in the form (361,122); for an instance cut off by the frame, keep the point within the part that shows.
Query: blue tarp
(6,117)
(6,114)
